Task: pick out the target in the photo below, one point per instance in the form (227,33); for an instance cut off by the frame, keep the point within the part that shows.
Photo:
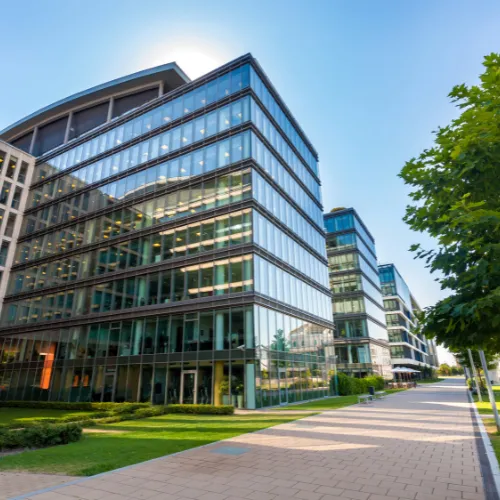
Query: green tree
(445,369)
(455,193)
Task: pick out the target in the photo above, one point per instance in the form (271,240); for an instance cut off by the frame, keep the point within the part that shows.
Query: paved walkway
(417,444)
(17,483)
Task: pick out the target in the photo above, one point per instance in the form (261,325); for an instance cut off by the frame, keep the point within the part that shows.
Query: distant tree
(456,187)
(445,369)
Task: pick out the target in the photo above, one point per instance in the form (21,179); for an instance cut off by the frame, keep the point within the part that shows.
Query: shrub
(39,436)
(121,417)
(129,407)
(201,409)
(375,381)
(57,405)
(351,385)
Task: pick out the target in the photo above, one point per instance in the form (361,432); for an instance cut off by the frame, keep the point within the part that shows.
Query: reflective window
(189,200)
(273,239)
(270,163)
(285,152)
(16,197)
(277,113)
(268,197)
(9,226)
(11,167)
(270,279)
(164,113)
(87,119)
(164,245)
(228,276)
(4,250)
(4,194)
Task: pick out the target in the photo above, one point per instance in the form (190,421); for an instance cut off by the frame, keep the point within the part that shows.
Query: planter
(225,399)
(234,400)
(240,400)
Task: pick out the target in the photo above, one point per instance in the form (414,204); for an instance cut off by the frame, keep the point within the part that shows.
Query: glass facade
(407,348)
(357,298)
(176,257)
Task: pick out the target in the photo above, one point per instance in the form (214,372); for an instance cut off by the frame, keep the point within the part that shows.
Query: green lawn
(331,403)
(485,406)
(138,440)
(494,435)
(20,415)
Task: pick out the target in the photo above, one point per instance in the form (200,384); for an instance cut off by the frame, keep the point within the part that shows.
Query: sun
(193,62)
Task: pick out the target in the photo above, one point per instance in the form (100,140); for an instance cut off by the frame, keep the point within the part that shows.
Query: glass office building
(361,340)
(408,348)
(172,247)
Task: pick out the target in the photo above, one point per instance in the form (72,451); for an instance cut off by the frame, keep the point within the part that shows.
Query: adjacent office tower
(408,349)
(172,249)
(16,170)
(361,341)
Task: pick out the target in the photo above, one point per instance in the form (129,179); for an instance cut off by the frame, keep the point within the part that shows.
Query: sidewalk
(418,444)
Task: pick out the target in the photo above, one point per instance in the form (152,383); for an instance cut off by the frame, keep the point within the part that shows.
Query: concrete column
(249,333)
(136,349)
(146,250)
(33,140)
(250,386)
(110,109)
(218,376)
(89,235)
(68,127)
(220,280)
(161,89)
(141,291)
(219,331)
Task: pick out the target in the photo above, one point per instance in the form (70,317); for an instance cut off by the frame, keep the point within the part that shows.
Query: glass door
(189,383)
(109,387)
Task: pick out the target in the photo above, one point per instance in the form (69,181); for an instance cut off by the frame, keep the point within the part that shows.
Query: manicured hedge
(39,436)
(35,421)
(201,409)
(56,405)
(351,385)
(153,411)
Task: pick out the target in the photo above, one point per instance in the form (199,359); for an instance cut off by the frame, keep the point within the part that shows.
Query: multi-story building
(408,348)
(172,248)
(361,341)
(16,170)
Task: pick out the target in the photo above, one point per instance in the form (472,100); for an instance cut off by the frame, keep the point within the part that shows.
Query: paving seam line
(489,467)
(151,460)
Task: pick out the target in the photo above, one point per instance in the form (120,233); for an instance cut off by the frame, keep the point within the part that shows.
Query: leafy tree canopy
(456,199)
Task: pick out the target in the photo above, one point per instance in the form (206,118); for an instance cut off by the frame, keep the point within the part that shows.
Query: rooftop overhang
(170,74)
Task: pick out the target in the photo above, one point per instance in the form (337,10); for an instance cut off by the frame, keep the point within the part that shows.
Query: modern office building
(408,348)
(16,170)
(361,341)
(172,248)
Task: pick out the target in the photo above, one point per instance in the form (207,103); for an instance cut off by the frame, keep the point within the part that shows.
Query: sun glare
(193,62)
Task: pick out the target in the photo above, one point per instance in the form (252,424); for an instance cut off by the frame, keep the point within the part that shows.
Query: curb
(491,476)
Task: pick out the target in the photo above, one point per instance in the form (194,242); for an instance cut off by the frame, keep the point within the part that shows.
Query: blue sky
(367,80)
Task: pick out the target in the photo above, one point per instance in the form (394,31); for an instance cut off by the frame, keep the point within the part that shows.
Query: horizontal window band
(195,305)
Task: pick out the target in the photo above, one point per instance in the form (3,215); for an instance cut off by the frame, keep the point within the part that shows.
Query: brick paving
(417,444)
(17,483)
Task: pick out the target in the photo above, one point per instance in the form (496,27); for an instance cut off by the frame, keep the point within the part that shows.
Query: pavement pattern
(418,444)
(13,484)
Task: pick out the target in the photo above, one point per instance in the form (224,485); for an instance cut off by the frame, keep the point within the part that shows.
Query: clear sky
(367,80)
